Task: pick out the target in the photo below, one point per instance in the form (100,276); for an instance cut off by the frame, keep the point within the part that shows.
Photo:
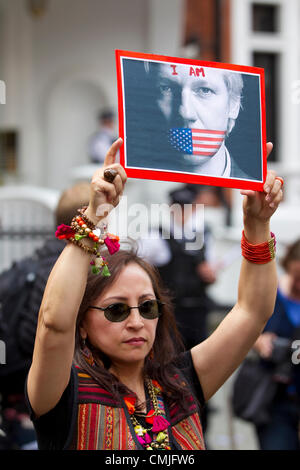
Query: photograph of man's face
(201,106)
(192,119)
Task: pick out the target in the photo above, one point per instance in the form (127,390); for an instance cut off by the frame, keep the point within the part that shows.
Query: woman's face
(130,340)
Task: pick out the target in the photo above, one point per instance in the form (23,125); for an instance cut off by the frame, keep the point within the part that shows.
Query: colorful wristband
(261,253)
(82,228)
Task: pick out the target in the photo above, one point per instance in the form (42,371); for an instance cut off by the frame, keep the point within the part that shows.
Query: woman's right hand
(104,195)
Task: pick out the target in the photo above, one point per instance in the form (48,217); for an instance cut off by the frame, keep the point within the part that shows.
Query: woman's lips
(135,341)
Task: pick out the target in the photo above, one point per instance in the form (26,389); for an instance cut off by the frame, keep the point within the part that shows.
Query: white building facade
(59,71)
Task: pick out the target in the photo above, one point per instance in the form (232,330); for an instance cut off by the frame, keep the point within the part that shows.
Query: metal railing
(16,245)
(26,219)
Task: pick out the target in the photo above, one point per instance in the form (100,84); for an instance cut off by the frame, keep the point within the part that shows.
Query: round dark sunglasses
(117,312)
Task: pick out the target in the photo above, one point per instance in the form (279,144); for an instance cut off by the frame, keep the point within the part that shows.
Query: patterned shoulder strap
(89,391)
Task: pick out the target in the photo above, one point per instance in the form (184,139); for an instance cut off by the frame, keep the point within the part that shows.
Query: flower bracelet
(81,227)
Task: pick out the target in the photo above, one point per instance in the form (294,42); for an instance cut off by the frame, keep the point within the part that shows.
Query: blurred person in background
(182,262)
(274,346)
(217,197)
(100,141)
(18,432)
(187,272)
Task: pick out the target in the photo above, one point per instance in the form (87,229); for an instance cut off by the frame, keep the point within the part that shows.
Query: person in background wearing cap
(182,263)
(186,272)
(101,141)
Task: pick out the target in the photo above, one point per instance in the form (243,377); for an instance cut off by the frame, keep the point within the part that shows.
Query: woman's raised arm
(219,355)
(55,337)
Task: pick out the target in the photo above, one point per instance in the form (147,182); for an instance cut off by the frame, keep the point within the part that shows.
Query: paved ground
(226,432)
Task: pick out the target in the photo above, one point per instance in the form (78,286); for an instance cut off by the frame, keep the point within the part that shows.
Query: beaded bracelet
(88,222)
(81,227)
(261,253)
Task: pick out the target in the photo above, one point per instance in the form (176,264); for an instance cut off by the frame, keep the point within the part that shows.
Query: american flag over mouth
(196,141)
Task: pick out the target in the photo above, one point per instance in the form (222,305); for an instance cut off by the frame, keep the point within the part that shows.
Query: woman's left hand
(262,205)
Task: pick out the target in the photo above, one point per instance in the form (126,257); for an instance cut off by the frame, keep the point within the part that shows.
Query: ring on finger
(110,174)
(280,179)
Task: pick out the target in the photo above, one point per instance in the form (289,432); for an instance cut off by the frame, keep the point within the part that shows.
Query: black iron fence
(18,244)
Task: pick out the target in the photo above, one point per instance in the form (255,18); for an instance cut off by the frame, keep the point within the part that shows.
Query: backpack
(253,392)
(15,288)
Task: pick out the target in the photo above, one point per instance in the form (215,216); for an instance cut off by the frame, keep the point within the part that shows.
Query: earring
(87,354)
(151,355)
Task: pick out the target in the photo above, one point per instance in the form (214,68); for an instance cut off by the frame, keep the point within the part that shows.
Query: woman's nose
(135,320)
(187,108)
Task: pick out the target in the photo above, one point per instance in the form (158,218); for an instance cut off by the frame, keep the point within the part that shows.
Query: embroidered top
(89,418)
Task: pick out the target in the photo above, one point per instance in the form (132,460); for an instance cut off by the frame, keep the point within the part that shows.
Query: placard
(191,121)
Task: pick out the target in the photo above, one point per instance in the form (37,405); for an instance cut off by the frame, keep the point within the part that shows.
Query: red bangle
(261,253)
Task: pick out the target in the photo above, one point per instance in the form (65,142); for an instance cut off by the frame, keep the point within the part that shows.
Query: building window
(8,152)
(264,18)
(269,62)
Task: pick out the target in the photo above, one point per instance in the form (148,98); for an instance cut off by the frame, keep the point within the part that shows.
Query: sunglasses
(150,309)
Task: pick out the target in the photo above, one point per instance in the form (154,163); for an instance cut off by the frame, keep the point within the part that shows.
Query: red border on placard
(164,175)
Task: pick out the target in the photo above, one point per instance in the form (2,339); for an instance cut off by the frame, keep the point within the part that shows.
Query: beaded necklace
(158,423)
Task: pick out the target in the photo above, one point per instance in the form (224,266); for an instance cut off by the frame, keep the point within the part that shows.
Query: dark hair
(106,114)
(292,254)
(182,195)
(167,344)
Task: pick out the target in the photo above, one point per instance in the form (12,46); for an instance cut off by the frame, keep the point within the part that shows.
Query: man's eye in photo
(165,89)
(204,91)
